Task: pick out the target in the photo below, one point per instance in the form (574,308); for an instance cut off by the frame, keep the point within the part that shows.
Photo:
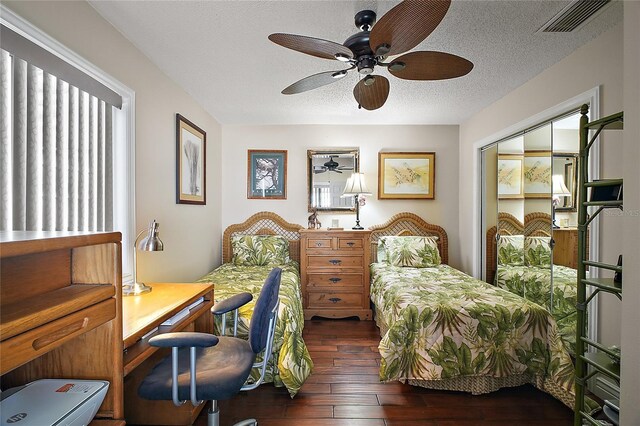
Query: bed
(529,272)
(291,364)
(443,329)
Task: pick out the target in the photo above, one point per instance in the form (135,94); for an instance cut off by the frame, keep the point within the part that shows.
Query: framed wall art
(267,174)
(537,174)
(510,176)
(406,175)
(191,164)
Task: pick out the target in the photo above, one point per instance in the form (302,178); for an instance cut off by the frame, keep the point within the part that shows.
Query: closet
(529,216)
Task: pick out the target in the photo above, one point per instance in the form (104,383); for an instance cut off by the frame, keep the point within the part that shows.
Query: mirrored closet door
(529,188)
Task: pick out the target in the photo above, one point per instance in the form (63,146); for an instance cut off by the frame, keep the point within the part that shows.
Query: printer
(53,402)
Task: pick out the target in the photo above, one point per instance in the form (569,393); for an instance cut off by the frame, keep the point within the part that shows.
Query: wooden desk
(142,318)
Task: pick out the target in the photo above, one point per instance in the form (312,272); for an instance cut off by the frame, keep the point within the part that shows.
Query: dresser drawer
(332,299)
(350,243)
(319,243)
(337,280)
(335,261)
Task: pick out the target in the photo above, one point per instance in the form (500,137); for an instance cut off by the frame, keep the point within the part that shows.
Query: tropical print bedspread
(291,364)
(442,324)
(534,283)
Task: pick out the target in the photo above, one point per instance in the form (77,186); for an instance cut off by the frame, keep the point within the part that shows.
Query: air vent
(574,15)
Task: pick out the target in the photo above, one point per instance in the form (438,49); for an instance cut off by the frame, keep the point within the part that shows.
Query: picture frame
(537,174)
(406,175)
(267,174)
(191,163)
(510,176)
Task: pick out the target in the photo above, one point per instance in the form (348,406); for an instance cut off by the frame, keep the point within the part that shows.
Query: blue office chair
(207,367)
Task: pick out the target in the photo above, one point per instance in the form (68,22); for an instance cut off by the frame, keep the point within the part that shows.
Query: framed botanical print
(191,162)
(267,174)
(537,174)
(406,175)
(510,178)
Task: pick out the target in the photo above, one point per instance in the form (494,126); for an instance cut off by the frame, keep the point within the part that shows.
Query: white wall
(191,234)
(630,313)
(443,140)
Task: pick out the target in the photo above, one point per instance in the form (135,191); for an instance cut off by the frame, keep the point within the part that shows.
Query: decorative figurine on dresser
(314,223)
(334,270)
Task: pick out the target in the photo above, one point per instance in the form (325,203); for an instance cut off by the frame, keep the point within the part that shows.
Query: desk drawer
(319,243)
(331,299)
(340,261)
(338,280)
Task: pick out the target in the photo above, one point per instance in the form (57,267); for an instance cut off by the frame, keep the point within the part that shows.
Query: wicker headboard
(409,224)
(536,224)
(263,223)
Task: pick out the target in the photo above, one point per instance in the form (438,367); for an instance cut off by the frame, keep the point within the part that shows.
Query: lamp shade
(151,241)
(559,188)
(355,186)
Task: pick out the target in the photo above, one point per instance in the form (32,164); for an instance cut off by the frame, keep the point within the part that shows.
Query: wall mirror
(566,165)
(328,171)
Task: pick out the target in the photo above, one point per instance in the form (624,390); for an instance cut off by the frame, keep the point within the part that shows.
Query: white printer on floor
(53,402)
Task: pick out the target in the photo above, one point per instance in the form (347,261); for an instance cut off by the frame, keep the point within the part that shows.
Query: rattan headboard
(263,223)
(409,224)
(536,224)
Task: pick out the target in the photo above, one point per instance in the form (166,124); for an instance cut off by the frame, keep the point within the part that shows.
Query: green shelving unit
(600,359)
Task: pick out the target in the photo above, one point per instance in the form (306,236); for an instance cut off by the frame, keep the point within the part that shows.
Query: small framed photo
(510,176)
(191,167)
(406,175)
(267,174)
(537,174)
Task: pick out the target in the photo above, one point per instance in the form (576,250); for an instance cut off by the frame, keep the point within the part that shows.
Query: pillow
(259,250)
(511,250)
(413,251)
(537,251)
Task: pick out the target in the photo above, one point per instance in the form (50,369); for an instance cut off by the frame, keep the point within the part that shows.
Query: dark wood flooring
(344,390)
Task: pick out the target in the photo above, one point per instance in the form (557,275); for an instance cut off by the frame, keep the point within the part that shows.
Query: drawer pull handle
(351,244)
(335,299)
(335,261)
(318,244)
(335,279)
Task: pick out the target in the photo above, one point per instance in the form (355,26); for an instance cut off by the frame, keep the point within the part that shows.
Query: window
(66,141)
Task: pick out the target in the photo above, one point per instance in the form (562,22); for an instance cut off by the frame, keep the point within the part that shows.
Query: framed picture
(537,174)
(267,174)
(191,164)
(510,176)
(406,175)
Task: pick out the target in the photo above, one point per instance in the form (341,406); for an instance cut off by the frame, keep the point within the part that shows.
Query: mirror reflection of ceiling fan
(331,166)
(401,29)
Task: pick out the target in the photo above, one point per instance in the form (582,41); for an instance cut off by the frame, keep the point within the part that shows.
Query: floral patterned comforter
(291,364)
(534,283)
(442,324)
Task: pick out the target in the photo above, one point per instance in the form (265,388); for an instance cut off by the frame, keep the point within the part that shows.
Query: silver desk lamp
(150,242)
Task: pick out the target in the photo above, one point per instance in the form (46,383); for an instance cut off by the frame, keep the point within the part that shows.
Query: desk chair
(207,367)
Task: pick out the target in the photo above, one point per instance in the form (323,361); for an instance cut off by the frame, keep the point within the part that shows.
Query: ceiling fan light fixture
(397,66)
(383,49)
(342,57)
(339,74)
(369,80)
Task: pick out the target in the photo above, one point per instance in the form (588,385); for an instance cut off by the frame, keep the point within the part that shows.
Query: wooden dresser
(565,252)
(334,269)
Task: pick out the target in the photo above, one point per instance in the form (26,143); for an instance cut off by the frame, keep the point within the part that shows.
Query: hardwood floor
(344,390)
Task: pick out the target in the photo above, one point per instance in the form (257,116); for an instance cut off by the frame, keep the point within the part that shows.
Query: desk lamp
(560,190)
(150,242)
(355,187)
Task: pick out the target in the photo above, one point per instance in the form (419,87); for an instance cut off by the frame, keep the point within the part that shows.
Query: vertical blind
(56,148)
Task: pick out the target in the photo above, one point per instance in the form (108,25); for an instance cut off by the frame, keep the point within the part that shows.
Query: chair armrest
(183,339)
(232,303)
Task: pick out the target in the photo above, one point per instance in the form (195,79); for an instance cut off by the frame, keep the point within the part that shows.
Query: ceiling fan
(401,29)
(330,166)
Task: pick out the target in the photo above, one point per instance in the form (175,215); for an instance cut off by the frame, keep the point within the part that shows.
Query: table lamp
(560,190)
(355,187)
(150,242)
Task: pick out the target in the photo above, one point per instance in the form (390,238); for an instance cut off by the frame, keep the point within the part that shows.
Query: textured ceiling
(219,53)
